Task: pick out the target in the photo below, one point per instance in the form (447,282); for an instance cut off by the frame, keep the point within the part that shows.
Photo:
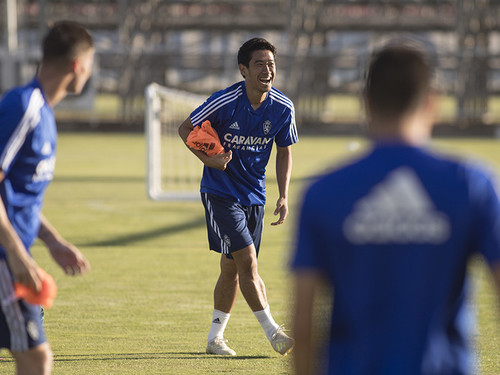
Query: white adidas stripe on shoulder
(294,136)
(287,104)
(28,122)
(280,98)
(216,104)
(276,92)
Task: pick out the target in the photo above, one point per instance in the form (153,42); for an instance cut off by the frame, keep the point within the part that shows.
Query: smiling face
(260,73)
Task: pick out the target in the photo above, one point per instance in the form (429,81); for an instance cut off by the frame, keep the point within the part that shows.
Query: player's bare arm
(64,253)
(283,174)
(23,266)
(495,273)
(218,161)
(307,283)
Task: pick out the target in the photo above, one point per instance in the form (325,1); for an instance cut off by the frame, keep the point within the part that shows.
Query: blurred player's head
(256,61)
(398,85)
(69,47)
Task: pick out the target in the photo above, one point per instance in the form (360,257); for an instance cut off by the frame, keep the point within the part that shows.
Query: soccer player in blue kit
(28,138)
(392,233)
(247,116)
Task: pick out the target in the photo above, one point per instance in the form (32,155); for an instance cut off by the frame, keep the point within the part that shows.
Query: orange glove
(205,138)
(44,297)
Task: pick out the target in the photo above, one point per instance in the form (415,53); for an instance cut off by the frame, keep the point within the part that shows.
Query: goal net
(173,172)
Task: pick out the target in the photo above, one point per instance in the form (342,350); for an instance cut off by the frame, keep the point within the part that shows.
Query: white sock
(219,323)
(266,321)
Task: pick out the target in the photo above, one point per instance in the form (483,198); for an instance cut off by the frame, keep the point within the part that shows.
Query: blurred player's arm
(495,272)
(307,284)
(22,265)
(64,253)
(283,174)
(218,161)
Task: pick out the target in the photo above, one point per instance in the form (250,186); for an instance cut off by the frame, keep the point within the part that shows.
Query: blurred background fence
(323,48)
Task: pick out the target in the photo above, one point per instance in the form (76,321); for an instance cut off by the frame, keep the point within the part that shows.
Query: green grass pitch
(146,306)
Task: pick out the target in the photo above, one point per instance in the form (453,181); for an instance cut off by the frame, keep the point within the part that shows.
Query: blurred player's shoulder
(340,169)
(469,165)
(368,166)
(19,97)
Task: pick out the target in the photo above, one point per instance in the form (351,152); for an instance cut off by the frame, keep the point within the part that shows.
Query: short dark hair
(399,77)
(65,41)
(254,44)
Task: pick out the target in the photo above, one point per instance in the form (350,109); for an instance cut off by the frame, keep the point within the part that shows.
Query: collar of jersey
(262,106)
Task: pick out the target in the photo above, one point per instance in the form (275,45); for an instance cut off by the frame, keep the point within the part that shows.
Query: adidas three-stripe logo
(398,210)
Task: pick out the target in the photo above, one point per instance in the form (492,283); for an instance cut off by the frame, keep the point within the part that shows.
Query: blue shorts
(20,322)
(230,225)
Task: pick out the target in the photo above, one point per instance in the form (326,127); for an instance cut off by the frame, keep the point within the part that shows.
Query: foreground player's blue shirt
(393,233)
(249,135)
(28,138)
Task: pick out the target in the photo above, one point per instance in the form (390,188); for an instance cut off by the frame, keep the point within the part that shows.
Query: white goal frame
(158,108)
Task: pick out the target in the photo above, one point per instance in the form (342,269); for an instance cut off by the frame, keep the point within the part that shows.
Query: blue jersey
(28,138)
(249,134)
(393,233)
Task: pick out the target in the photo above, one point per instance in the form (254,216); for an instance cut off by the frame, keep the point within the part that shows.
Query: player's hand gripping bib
(204,138)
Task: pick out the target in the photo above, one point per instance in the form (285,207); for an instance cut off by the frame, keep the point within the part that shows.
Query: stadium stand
(322,45)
